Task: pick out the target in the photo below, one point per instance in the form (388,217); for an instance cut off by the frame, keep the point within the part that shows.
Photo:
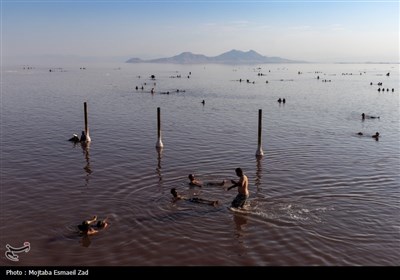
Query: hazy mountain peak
(230,57)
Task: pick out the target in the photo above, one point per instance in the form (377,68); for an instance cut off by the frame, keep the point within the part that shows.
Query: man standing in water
(243,189)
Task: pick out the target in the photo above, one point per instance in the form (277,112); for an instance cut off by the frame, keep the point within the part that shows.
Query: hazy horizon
(320,32)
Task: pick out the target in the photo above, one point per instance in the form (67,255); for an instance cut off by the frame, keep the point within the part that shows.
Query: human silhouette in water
(364,116)
(74,138)
(194,199)
(196,183)
(375,136)
(90,227)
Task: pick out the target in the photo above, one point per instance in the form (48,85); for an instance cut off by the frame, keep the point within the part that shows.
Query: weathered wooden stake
(159,143)
(86,123)
(259,148)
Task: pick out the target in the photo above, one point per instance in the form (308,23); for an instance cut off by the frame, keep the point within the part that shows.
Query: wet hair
(191,176)
(84,226)
(173,192)
(101,224)
(239,171)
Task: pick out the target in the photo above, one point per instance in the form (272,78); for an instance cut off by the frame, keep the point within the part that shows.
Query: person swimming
(376,136)
(83,136)
(86,228)
(194,182)
(74,138)
(364,116)
(194,199)
(197,183)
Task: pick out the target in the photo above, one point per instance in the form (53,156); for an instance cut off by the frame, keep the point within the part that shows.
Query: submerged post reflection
(158,169)
(85,148)
(258,172)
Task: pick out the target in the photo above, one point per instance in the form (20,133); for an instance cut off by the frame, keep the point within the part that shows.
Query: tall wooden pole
(86,123)
(259,151)
(159,143)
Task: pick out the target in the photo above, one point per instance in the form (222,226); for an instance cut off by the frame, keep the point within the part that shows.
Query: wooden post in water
(259,148)
(86,123)
(159,143)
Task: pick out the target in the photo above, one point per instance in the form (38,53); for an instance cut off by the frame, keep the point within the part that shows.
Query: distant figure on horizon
(283,100)
(375,136)
(243,189)
(364,116)
(279,100)
(195,199)
(203,102)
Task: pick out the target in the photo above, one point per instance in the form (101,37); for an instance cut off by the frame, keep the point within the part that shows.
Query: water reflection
(158,169)
(85,241)
(258,172)
(85,148)
(240,224)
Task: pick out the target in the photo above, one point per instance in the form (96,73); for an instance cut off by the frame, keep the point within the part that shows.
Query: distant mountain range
(230,57)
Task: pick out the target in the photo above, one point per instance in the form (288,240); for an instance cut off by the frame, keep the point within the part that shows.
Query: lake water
(320,195)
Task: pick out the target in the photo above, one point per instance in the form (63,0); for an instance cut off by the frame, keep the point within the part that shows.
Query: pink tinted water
(321,195)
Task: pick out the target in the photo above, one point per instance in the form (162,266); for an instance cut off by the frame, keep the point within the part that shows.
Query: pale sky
(315,31)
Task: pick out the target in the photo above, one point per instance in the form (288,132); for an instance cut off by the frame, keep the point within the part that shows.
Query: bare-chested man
(243,189)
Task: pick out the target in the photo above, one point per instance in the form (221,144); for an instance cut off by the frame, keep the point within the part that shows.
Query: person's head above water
(101,224)
(173,192)
(191,177)
(239,171)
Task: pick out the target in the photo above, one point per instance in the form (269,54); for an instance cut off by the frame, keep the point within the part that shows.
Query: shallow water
(321,195)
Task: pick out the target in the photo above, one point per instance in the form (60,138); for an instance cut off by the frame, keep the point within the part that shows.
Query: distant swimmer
(89,227)
(279,100)
(364,116)
(376,136)
(193,181)
(195,199)
(83,136)
(203,102)
(74,138)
